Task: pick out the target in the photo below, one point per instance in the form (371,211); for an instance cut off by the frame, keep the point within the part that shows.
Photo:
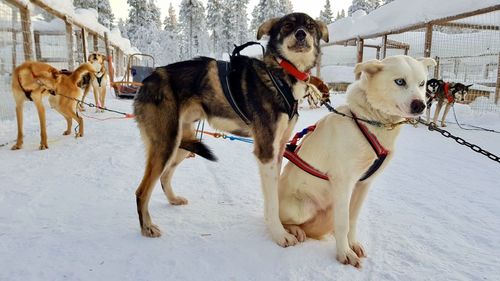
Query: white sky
(311,7)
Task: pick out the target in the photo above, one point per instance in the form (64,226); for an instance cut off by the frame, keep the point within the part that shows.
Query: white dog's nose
(417,106)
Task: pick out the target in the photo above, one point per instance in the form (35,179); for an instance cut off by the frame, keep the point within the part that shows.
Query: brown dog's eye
(310,26)
(288,26)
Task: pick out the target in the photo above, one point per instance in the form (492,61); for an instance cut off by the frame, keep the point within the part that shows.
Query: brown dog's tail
(199,148)
(83,69)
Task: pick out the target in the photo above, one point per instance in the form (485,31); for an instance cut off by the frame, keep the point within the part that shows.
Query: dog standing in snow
(98,81)
(176,95)
(388,92)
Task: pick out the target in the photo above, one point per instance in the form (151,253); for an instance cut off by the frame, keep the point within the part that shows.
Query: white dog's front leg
(341,200)
(357,198)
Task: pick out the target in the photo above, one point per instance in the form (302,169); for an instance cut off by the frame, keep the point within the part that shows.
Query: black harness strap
(286,92)
(99,79)
(26,92)
(224,69)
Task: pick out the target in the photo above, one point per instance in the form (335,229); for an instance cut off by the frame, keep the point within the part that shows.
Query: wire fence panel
(467,51)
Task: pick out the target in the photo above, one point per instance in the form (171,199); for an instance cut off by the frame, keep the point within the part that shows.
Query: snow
(86,17)
(69,213)
(390,17)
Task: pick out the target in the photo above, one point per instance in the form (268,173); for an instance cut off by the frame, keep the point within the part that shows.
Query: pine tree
(326,15)
(387,1)
(340,15)
(122,28)
(170,21)
(215,23)
(266,9)
(194,38)
(286,6)
(154,14)
(365,5)
(103,8)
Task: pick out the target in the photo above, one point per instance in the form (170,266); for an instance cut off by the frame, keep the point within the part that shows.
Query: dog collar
(291,69)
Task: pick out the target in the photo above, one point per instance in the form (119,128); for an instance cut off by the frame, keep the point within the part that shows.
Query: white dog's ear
(370,67)
(427,61)
(266,27)
(323,29)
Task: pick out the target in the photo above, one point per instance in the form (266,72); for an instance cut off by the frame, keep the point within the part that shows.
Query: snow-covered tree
(103,8)
(122,28)
(326,15)
(154,14)
(215,23)
(192,23)
(365,5)
(340,15)
(286,6)
(264,10)
(170,21)
(386,1)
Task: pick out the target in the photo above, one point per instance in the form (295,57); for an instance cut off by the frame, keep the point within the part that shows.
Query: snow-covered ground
(68,213)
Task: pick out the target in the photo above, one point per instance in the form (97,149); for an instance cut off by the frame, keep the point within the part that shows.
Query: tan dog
(98,81)
(31,81)
(388,91)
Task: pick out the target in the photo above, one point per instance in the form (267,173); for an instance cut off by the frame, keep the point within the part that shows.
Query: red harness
(292,150)
(447,94)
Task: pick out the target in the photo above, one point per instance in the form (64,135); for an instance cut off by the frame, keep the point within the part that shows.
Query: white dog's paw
(178,200)
(284,239)
(358,249)
(298,232)
(349,257)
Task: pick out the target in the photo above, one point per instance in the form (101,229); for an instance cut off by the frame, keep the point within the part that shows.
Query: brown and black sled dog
(31,81)
(176,95)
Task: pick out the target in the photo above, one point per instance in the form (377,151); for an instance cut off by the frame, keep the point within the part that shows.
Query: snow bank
(392,16)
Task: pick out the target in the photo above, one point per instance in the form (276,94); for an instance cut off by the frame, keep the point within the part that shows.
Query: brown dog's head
(295,37)
(97,60)
(67,81)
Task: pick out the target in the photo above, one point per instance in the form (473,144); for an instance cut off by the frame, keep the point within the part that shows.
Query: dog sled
(139,66)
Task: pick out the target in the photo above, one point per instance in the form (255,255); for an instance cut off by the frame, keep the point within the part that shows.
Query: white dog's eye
(400,82)
(422,84)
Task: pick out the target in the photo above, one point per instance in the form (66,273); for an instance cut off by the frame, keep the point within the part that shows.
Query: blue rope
(247,140)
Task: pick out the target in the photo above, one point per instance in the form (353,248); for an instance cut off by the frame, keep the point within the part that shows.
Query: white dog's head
(395,85)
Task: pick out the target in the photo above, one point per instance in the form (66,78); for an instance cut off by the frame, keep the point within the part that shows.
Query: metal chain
(388,126)
(433,127)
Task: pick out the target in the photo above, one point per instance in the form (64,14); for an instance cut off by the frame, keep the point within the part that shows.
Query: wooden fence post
(70,43)
(384,47)
(428,41)
(96,42)
(14,40)
(360,43)
(436,68)
(318,65)
(497,90)
(27,34)
(84,45)
(111,71)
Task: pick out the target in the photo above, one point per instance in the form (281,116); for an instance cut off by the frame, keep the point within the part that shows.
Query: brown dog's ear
(55,73)
(266,27)
(370,67)
(323,29)
(427,61)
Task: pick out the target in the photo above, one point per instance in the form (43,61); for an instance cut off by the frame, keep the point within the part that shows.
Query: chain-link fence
(43,33)
(466,48)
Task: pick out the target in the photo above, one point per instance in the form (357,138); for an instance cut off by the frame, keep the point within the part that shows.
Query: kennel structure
(464,41)
(55,33)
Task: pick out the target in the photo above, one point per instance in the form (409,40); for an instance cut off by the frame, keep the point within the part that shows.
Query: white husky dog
(388,92)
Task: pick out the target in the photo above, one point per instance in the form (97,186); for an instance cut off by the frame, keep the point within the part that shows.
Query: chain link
(433,127)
